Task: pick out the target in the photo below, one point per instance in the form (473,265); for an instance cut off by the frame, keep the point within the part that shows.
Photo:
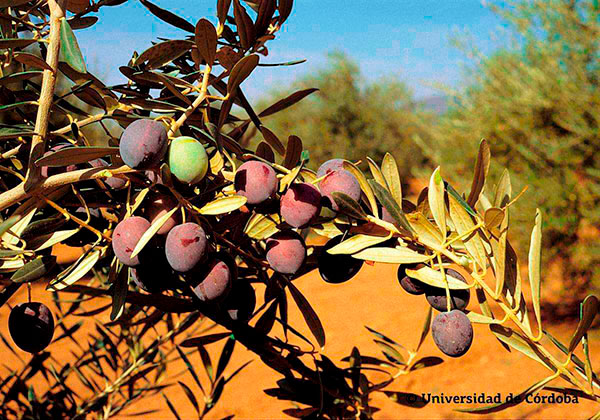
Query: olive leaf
(69,51)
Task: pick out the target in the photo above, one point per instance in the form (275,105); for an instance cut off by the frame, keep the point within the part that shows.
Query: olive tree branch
(38,143)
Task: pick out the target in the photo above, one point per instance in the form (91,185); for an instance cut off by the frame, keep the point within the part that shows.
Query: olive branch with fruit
(198,222)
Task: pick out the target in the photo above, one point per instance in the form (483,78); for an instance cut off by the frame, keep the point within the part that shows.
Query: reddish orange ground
(375,299)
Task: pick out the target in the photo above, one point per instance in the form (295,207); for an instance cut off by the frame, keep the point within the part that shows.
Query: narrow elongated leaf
(310,316)
(425,330)
(264,151)
(69,49)
(400,255)
(435,196)
(348,205)
(392,354)
(223,205)
(8,223)
(464,223)
(391,206)
(16,42)
(460,199)
(503,190)
(160,54)
(273,140)
(518,342)
(190,367)
(266,11)
(436,279)
(206,40)
(518,399)
(389,168)
(285,8)
(171,406)
(357,243)
(427,233)
(168,17)
(225,357)
(74,273)
(241,71)
(46,241)
(190,396)
(482,167)
(364,185)
(535,261)
(287,102)
(75,155)
(376,172)
(478,318)
(245,26)
(152,230)
(204,340)
(32,60)
(119,293)
(293,152)
(222,10)
(16,77)
(589,309)
(262,226)
(35,269)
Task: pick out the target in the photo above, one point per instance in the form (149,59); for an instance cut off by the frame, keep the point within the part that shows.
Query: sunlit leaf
(357,243)
(35,269)
(436,200)
(223,205)
(482,167)
(435,278)
(535,260)
(365,186)
(74,273)
(589,309)
(389,168)
(69,51)
(151,231)
(399,255)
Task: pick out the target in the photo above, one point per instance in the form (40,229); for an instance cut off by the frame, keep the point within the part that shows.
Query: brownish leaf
(168,17)
(482,167)
(310,316)
(265,14)
(245,26)
(273,140)
(285,8)
(206,40)
(241,71)
(222,10)
(287,102)
(264,151)
(161,53)
(293,152)
(31,60)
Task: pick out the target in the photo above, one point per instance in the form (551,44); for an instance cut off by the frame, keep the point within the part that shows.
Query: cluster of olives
(452,331)
(184,251)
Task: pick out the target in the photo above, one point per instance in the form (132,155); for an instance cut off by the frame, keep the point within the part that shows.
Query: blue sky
(406,38)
